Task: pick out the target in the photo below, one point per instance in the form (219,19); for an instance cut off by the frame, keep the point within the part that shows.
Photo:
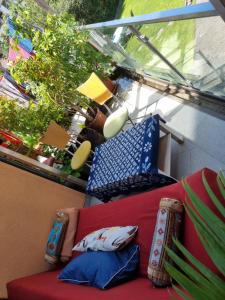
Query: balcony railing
(182,46)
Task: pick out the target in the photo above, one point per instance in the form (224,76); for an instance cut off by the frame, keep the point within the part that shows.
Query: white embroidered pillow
(107,239)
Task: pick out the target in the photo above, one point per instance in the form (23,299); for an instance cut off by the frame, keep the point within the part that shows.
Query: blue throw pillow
(102,269)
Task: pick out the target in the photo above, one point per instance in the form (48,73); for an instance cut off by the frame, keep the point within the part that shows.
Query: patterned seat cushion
(126,161)
(167,226)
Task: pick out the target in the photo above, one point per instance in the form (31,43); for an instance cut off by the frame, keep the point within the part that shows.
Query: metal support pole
(124,102)
(143,39)
(220,75)
(107,108)
(201,10)
(109,46)
(220,7)
(132,123)
(4,10)
(45,6)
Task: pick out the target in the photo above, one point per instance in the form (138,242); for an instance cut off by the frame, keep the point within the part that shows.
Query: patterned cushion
(56,238)
(68,243)
(107,239)
(167,226)
(121,160)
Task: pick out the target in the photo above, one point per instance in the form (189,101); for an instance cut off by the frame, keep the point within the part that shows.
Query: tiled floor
(204,134)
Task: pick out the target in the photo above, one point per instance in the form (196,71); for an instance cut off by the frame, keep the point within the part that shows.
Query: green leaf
(181,293)
(215,251)
(212,244)
(195,276)
(221,186)
(212,195)
(212,277)
(222,178)
(186,283)
(200,282)
(214,223)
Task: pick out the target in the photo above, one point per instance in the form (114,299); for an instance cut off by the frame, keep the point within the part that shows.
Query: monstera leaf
(199,282)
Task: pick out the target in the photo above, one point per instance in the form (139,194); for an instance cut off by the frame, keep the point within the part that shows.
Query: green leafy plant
(62,157)
(63,59)
(68,170)
(199,282)
(30,122)
(88,11)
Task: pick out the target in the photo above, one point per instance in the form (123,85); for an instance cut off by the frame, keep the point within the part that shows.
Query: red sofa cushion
(141,210)
(136,210)
(45,286)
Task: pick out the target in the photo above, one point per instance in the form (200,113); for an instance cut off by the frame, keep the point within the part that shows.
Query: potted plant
(95,118)
(29,123)
(91,135)
(63,60)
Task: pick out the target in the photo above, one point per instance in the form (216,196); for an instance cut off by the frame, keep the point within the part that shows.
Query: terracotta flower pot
(98,121)
(112,86)
(91,135)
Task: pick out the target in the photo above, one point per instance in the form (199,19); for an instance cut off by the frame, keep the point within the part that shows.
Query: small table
(127,162)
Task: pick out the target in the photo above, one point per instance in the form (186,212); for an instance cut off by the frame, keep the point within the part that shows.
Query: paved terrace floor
(204,133)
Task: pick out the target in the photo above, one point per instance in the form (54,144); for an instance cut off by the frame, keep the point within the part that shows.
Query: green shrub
(88,11)
(63,59)
(29,123)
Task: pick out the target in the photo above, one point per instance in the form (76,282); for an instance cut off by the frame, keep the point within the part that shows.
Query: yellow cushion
(95,89)
(115,122)
(81,155)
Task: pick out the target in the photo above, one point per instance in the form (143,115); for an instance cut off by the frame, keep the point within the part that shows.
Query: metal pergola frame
(202,10)
(145,40)
(220,7)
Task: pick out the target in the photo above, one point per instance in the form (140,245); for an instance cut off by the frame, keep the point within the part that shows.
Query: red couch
(138,210)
